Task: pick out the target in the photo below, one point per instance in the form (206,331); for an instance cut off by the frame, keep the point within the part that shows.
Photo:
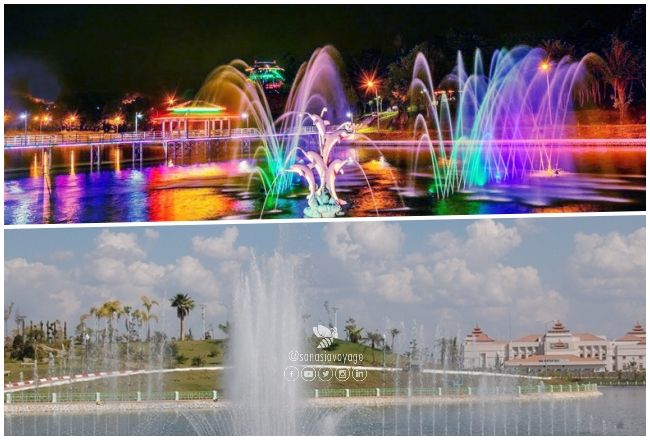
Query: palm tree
(146,314)
(558,49)
(96,311)
(110,310)
(183,303)
(353,331)
(136,319)
(393,333)
(621,70)
(375,339)
(225,328)
(128,310)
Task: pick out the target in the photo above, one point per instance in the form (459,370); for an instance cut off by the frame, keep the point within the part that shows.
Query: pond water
(212,182)
(620,411)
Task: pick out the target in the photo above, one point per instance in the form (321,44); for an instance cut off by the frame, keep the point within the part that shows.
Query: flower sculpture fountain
(322,200)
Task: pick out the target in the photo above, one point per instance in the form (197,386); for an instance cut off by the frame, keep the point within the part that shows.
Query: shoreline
(17,409)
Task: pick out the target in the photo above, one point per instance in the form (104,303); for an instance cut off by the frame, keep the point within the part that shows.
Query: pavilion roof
(195,110)
(478,335)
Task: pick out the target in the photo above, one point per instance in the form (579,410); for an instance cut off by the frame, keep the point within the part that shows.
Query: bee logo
(327,335)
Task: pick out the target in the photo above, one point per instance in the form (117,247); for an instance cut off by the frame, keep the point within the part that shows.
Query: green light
(202,110)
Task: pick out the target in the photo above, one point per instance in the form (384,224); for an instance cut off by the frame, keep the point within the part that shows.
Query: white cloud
(611,265)
(458,271)
(61,255)
(189,275)
(221,246)
(351,241)
(120,244)
(486,241)
(151,234)
(31,284)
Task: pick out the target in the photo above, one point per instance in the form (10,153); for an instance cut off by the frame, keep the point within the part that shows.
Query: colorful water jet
(317,86)
(503,125)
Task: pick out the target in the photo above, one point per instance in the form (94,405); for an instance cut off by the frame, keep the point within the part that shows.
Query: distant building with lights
(268,74)
(557,349)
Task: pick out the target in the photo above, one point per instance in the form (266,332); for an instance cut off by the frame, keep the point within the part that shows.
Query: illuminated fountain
(317,85)
(505,125)
(508,124)
(494,139)
(322,200)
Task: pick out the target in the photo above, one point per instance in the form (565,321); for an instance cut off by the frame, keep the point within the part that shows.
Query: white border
(289,221)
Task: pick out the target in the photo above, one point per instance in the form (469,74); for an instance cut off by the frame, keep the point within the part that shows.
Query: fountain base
(323,206)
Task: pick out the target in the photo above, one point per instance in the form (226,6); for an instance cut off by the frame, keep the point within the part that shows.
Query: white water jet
(266,328)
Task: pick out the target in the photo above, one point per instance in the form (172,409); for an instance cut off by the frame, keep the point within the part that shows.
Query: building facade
(557,349)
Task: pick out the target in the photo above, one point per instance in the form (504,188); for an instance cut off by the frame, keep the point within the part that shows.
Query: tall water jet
(318,84)
(507,124)
(266,329)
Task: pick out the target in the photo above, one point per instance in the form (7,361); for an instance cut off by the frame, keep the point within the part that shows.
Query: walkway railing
(137,396)
(113,138)
(73,139)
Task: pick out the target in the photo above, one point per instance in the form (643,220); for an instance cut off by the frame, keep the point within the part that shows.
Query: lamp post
(349,116)
(545,67)
(137,116)
(245,117)
(372,85)
(23,116)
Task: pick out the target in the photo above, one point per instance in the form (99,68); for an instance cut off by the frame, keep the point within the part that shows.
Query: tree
(111,310)
(183,304)
(225,328)
(621,69)
(558,49)
(375,339)
(146,316)
(8,310)
(393,333)
(400,75)
(353,331)
(97,313)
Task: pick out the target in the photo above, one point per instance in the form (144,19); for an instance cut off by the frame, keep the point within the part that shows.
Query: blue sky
(442,276)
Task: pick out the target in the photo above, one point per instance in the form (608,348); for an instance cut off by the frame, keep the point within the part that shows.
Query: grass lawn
(211,353)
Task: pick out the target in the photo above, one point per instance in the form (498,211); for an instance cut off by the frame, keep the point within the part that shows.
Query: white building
(483,352)
(628,352)
(558,349)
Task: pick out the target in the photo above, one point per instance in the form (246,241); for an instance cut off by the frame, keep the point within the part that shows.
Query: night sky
(153,49)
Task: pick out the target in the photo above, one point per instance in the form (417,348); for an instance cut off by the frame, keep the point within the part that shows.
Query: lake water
(620,411)
(214,182)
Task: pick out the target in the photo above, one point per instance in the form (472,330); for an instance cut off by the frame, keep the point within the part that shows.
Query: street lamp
(545,67)
(245,117)
(349,116)
(46,119)
(137,116)
(70,120)
(23,116)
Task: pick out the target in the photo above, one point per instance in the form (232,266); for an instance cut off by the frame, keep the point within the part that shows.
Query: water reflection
(213,182)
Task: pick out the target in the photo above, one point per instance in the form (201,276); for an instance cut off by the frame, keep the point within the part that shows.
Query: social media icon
(359,374)
(291,374)
(342,374)
(325,374)
(308,374)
